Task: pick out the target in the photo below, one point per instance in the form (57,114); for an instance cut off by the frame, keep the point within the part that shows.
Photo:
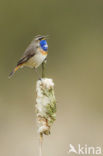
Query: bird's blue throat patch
(44,45)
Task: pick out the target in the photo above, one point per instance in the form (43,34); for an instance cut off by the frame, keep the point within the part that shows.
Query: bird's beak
(46,37)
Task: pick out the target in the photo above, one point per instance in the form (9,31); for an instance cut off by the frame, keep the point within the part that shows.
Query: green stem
(43,69)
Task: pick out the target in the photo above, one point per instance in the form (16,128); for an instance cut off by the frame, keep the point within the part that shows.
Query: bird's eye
(41,38)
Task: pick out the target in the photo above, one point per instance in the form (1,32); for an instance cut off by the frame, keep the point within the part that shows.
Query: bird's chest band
(43,52)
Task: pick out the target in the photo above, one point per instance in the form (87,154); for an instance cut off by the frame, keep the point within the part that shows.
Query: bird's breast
(37,59)
(42,51)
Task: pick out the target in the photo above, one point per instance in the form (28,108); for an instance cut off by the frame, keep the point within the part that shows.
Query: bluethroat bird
(34,55)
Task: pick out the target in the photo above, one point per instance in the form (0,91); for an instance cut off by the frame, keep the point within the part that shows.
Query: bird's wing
(29,52)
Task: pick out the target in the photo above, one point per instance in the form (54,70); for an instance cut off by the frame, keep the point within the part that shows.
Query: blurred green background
(75,62)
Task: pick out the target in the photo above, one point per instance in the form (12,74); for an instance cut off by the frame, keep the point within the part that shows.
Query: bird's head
(42,42)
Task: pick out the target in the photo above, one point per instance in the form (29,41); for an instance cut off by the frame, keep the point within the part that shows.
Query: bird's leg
(37,73)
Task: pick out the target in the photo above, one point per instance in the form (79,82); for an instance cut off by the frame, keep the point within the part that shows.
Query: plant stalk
(43,69)
(41,141)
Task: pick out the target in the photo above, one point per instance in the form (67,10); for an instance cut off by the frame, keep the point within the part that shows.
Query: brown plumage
(31,51)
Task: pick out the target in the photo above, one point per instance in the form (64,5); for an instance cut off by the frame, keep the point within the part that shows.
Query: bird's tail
(13,72)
